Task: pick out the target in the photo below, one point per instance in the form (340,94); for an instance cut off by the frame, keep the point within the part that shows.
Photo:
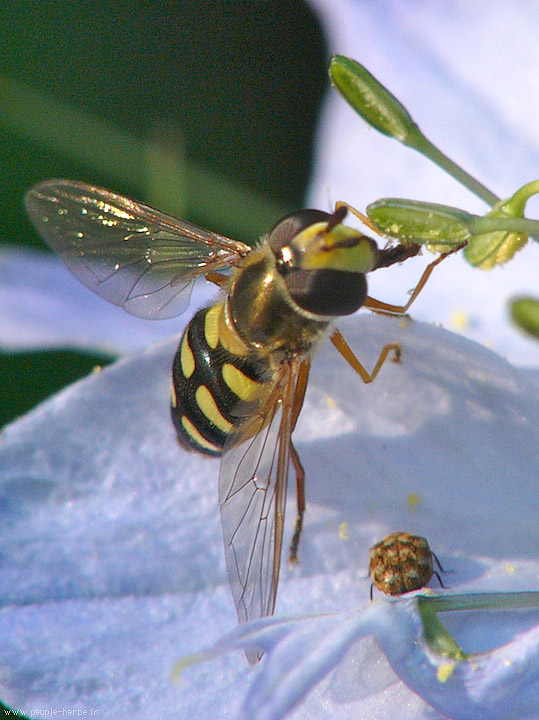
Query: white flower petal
(112,563)
(43,305)
(111,538)
(300,652)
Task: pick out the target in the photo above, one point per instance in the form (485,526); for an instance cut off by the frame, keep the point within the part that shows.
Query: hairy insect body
(279,302)
(210,377)
(241,370)
(263,313)
(231,352)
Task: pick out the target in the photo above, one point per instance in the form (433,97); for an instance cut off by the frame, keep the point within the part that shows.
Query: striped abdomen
(209,378)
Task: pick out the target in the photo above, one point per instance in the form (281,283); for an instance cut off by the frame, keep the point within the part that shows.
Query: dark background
(205,109)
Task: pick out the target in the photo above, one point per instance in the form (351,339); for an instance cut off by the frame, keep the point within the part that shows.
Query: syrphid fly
(242,365)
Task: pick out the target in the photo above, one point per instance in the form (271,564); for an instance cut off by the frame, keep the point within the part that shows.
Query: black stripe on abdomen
(203,402)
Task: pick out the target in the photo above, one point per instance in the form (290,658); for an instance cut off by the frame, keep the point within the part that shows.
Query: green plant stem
(481,225)
(439,639)
(528,600)
(419,142)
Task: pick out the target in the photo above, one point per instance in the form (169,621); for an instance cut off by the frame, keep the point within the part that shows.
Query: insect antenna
(336,219)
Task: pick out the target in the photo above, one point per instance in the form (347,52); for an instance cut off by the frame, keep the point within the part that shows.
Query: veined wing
(127,252)
(252,494)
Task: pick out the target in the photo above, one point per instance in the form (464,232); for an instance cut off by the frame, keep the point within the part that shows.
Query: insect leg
(378,305)
(440,564)
(435,572)
(441,570)
(299,396)
(360,216)
(299,392)
(218,279)
(342,346)
(300,495)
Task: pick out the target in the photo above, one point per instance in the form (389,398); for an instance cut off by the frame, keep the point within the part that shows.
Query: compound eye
(286,229)
(328,293)
(287,260)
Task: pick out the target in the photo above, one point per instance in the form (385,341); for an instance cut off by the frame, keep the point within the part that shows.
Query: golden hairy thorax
(260,309)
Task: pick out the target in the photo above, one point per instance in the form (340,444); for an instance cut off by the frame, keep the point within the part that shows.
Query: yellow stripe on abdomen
(244,387)
(187,359)
(211,325)
(206,403)
(197,438)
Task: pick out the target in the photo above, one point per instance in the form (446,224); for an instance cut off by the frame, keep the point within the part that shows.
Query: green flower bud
(525,313)
(440,227)
(495,248)
(370,98)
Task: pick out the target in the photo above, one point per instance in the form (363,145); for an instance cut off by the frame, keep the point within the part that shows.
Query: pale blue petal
(112,563)
(43,305)
(300,652)
(111,539)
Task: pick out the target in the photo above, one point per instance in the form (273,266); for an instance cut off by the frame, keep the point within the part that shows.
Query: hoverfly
(401,563)
(242,365)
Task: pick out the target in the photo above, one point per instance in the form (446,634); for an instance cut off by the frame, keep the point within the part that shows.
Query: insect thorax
(263,313)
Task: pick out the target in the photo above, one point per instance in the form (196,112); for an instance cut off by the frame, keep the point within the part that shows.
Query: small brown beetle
(401,563)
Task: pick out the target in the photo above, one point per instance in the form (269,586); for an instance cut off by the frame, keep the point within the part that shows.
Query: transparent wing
(252,494)
(130,254)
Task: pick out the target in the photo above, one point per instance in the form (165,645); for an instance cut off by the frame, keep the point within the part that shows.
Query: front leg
(346,351)
(380,306)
